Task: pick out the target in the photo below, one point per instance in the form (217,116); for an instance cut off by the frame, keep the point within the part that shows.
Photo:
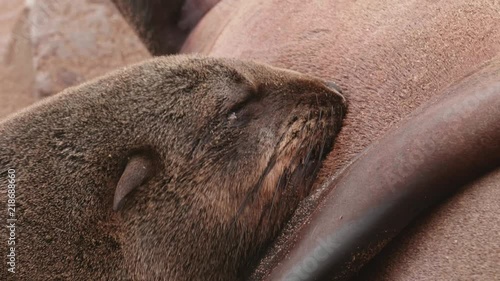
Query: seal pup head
(230,153)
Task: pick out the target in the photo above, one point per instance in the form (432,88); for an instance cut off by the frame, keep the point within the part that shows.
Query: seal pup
(178,168)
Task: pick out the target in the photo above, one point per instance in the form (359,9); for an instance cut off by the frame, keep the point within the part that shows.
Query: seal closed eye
(178,168)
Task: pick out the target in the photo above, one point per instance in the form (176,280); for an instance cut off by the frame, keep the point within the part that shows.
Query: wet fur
(235,144)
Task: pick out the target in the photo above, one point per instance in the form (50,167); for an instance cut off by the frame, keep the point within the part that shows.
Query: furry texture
(389,57)
(236,146)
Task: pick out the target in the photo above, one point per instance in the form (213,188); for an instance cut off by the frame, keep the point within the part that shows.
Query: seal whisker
(275,191)
(249,197)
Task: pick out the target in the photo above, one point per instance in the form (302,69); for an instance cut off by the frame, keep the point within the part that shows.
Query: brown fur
(390,57)
(236,146)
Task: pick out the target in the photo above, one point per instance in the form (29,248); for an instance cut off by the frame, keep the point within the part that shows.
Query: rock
(16,63)
(10,13)
(49,45)
(74,41)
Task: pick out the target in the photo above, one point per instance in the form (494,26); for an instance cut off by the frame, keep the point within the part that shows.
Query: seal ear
(139,169)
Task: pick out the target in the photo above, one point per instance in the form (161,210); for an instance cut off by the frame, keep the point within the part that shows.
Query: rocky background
(49,45)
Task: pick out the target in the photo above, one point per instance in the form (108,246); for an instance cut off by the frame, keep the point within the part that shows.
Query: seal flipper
(139,169)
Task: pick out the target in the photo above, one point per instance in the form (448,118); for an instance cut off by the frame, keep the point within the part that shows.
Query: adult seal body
(179,168)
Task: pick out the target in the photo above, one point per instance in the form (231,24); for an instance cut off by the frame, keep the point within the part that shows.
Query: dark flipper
(163,25)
